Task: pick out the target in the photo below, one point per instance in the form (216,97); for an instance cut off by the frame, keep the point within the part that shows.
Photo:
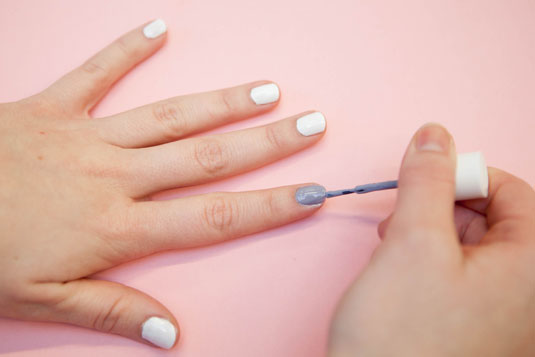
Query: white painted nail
(155,28)
(159,331)
(311,124)
(265,94)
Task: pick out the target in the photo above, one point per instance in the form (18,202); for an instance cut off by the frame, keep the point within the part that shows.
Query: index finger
(510,206)
(79,90)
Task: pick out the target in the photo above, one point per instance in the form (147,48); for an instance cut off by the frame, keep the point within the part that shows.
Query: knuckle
(125,48)
(227,102)
(108,317)
(30,300)
(95,67)
(271,205)
(212,156)
(274,137)
(43,104)
(172,117)
(98,71)
(117,222)
(221,214)
(95,166)
(103,171)
(120,234)
(224,105)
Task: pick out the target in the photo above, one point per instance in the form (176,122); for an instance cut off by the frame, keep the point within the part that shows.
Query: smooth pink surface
(376,69)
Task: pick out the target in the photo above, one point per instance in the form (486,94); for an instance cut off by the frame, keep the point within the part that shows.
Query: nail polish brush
(471,182)
(370,187)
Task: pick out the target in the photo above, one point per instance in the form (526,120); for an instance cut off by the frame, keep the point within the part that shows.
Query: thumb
(115,308)
(426,190)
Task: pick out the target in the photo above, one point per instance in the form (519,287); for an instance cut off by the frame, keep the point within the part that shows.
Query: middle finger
(202,159)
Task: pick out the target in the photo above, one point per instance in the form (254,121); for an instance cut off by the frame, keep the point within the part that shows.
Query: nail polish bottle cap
(471,177)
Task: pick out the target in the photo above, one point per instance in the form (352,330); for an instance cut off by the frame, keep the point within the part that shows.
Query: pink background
(377,69)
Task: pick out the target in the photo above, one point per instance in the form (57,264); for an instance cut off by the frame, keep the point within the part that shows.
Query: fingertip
(154,34)
(264,94)
(310,195)
(433,137)
(426,188)
(160,332)
(114,308)
(312,123)
(155,29)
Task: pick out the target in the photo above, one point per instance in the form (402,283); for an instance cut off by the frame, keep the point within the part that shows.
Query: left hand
(73,190)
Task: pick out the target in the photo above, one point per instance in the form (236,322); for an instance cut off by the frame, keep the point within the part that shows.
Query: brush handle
(471,180)
(370,187)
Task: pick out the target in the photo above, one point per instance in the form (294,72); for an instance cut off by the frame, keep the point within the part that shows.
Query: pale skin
(446,280)
(74,192)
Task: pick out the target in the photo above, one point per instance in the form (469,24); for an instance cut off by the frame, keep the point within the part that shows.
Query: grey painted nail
(310,195)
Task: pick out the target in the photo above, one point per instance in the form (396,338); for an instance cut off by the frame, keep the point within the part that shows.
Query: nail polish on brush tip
(158,331)
(310,195)
(155,28)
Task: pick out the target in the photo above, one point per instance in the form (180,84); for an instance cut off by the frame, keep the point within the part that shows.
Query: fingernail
(265,94)
(159,331)
(310,124)
(310,195)
(433,137)
(155,28)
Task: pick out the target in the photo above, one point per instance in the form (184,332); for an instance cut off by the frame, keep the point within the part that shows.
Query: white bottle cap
(471,177)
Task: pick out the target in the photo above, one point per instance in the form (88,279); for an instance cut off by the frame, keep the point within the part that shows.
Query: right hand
(423,292)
